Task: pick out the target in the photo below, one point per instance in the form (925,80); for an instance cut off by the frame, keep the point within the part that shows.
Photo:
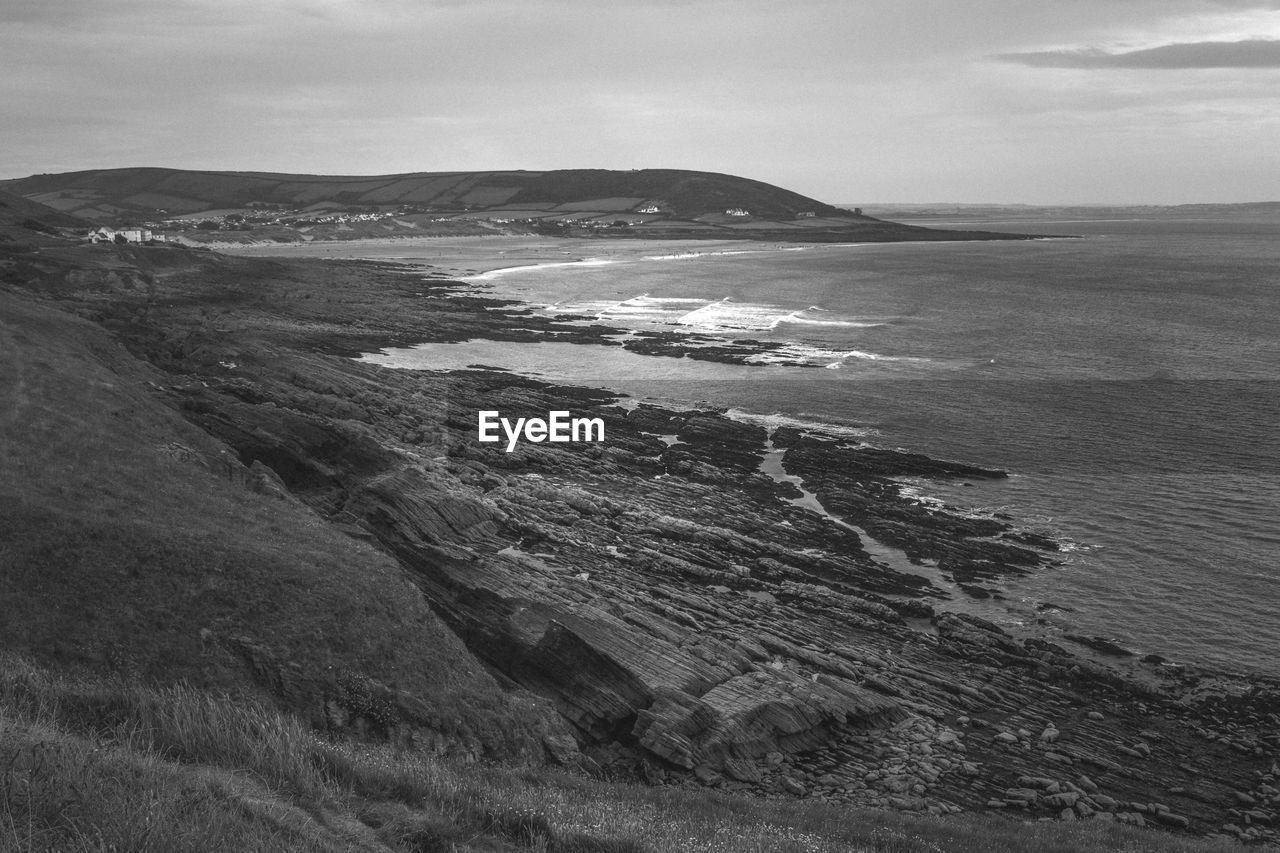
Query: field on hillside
(100,765)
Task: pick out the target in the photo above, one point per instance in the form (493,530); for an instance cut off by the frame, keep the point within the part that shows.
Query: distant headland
(256,207)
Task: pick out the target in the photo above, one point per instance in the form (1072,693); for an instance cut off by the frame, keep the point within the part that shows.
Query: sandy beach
(461,256)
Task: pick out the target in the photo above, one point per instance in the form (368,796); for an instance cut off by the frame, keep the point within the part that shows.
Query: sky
(848,101)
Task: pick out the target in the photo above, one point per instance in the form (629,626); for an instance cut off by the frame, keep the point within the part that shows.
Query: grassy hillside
(18,211)
(94,765)
(135,544)
(204,207)
(111,194)
(684,193)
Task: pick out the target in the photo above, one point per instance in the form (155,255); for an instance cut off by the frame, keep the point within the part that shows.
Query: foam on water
(642,309)
(791,353)
(684,256)
(645,298)
(647,309)
(492,274)
(725,315)
(710,315)
(802,318)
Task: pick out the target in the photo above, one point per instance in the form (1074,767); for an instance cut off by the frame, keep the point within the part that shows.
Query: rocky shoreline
(670,592)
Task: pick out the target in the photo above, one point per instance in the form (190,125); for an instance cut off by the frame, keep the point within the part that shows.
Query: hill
(29,230)
(135,544)
(23,220)
(14,209)
(111,193)
(211,207)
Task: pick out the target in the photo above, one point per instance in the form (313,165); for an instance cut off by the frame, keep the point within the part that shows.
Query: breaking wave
(726,315)
(498,273)
(721,315)
(832,358)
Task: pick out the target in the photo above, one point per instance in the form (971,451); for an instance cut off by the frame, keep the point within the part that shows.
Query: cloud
(782,92)
(1252,53)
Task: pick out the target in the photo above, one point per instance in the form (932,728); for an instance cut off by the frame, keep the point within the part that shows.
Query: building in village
(102,234)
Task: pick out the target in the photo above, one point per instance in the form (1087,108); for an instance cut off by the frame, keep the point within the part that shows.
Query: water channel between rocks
(887,555)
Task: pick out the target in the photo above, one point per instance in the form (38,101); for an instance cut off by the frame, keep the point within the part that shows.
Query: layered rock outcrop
(697,626)
(692,619)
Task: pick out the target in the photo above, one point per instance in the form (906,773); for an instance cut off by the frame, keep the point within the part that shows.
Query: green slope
(19,212)
(110,194)
(134,543)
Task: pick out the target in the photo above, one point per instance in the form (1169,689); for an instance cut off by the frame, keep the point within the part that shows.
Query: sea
(1124,371)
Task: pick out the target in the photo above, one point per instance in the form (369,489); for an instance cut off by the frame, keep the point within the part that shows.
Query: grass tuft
(102,765)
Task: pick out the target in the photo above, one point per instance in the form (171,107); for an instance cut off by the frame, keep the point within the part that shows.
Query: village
(262,217)
(259,220)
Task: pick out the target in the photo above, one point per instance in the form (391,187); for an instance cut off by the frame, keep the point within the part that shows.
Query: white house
(102,234)
(736,211)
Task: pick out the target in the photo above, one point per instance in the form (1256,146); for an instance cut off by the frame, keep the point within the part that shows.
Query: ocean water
(1128,380)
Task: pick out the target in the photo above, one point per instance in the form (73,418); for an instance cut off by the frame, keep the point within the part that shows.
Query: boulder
(791,786)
